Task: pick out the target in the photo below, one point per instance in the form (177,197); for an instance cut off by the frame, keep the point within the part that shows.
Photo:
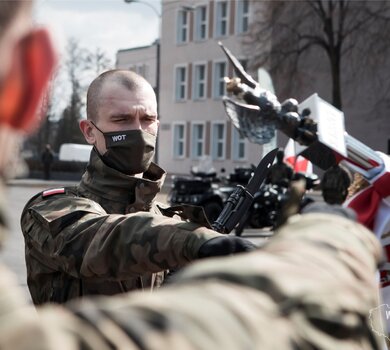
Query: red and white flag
(372,206)
(370,203)
(299,164)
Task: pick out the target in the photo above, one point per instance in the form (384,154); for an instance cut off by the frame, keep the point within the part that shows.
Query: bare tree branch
(350,33)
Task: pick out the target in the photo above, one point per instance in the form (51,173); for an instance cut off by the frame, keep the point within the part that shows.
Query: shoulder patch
(53,191)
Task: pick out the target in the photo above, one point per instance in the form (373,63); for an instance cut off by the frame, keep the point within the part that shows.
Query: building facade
(142,60)
(194,124)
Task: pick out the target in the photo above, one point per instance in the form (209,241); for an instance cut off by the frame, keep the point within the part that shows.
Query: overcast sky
(107,24)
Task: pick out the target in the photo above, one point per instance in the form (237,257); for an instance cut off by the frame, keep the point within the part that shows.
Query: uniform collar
(112,185)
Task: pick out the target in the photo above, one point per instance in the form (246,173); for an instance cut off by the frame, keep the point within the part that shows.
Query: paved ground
(20,191)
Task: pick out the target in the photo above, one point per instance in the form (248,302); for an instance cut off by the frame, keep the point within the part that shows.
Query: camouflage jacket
(312,286)
(103,236)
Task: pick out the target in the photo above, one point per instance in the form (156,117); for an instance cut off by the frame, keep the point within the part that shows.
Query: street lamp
(145,3)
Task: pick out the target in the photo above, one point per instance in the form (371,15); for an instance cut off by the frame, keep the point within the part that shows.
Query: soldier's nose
(136,124)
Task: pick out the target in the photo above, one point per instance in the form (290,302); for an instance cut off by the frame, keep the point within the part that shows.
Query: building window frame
(198,142)
(239,146)
(178,140)
(180,87)
(199,81)
(218,80)
(218,142)
(200,23)
(221,20)
(242,16)
(182,26)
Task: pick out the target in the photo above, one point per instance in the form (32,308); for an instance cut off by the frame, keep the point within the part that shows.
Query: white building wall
(142,60)
(190,111)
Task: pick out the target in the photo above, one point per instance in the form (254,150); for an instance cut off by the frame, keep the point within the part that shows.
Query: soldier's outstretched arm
(81,239)
(312,286)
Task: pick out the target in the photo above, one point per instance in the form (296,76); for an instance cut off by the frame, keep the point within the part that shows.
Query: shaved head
(128,79)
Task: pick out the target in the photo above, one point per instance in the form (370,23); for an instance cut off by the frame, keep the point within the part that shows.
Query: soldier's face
(121,109)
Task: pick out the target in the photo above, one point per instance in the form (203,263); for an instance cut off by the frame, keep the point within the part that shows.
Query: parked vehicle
(198,189)
(268,202)
(207,190)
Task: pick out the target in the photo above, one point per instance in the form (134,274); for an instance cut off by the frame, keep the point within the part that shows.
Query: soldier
(47,158)
(311,287)
(108,235)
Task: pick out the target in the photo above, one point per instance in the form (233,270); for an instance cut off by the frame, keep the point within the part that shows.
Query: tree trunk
(336,81)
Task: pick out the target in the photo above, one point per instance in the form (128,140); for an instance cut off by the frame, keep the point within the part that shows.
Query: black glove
(322,207)
(224,245)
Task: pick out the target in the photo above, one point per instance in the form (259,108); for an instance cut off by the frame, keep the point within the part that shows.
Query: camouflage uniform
(311,287)
(87,240)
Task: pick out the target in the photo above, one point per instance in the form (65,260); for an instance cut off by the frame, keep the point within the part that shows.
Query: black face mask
(130,151)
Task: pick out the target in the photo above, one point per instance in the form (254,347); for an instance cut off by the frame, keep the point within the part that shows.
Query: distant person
(280,173)
(47,159)
(335,183)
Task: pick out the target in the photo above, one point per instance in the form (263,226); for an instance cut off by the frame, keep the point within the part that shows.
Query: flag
(372,205)
(299,164)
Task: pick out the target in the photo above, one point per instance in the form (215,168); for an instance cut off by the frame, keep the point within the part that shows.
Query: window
(199,81)
(197,140)
(221,20)
(238,145)
(242,16)
(201,23)
(178,140)
(218,81)
(182,27)
(181,83)
(218,141)
(141,69)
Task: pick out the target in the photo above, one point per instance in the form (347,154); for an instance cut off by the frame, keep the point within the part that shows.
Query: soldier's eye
(150,118)
(120,120)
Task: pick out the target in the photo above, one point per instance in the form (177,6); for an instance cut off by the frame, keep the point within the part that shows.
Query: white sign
(330,123)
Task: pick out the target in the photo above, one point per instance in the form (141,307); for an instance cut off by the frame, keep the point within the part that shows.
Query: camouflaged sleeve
(311,287)
(77,236)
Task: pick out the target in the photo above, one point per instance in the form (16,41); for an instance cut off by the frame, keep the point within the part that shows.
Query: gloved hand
(322,207)
(224,245)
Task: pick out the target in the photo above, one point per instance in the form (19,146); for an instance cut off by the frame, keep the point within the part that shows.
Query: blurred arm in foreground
(312,286)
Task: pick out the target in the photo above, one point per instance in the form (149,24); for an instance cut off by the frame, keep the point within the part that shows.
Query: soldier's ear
(88,131)
(21,92)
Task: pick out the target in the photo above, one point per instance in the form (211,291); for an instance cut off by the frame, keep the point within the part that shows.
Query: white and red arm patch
(53,191)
